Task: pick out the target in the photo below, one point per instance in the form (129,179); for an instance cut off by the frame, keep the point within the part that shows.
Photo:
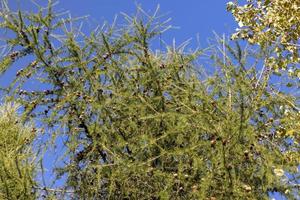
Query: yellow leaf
(279,172)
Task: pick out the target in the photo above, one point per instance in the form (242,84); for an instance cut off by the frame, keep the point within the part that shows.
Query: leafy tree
(17,169)
(144,124)
(274,25)
(271,23)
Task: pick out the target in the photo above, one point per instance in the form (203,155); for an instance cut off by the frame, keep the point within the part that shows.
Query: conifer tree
(144,124)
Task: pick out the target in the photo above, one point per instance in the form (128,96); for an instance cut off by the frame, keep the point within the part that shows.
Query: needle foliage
(17,169)
(142,123)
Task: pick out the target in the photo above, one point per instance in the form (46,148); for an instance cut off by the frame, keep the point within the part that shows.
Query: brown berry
(213,142)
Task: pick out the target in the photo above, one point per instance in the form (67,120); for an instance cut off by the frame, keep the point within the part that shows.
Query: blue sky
(192,17)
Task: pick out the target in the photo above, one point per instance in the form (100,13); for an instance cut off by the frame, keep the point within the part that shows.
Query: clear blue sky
(191,16)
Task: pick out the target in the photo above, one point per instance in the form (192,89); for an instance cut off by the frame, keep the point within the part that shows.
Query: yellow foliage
(268,23)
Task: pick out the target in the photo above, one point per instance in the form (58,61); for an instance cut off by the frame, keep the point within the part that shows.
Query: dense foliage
(17,168)
(139,123)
